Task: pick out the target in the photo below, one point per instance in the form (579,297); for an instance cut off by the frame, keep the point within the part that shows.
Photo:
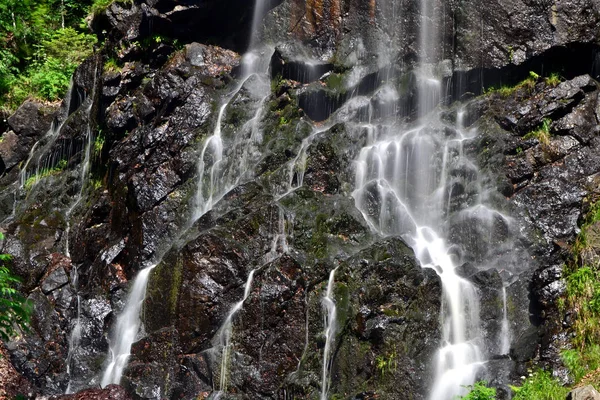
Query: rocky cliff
(121,176)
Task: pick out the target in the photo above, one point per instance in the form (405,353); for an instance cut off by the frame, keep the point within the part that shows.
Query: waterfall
(407,175)
(330,324)
(86,162)
(404,183)
(505,329)
(257,16)
(126,329)
(75,337)
(224,334)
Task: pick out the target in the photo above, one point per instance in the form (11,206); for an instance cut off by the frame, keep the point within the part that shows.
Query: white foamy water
(330,330)
(126,330)
(402,186)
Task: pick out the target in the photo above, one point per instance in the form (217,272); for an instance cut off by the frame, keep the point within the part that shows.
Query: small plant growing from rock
(112,65)
(32,180)
(387,363)
(506,91)
(542,134)
(553,80)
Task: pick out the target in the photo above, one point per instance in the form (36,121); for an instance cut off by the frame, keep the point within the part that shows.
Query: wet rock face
(551,179)
(225,22)
(389,321)
(472,36)
(111,392)
(292,219)
(27,125)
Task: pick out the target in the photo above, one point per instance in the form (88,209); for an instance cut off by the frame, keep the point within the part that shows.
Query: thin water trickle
(83,179)
(42,146)
(505,330)
(330,330)
(75,337)
(126,329)
(224,334)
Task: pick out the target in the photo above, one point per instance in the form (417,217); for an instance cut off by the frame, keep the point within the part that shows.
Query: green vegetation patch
(582,276)
(582,297)
(35,178)
(41,44)
(479,391)
(527,84)
(99,6)
(540,385)
(15,311)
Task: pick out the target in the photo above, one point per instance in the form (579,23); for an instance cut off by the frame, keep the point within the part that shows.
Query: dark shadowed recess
(319,103)
(225,23)
(567,61)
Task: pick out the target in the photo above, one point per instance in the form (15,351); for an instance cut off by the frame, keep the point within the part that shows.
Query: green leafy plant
(479,391)
(15,311)
(540,385)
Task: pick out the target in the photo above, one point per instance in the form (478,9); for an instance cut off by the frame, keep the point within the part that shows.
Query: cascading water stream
(217,173)
(330,323)
(404,187)
(407,174)
(220,168)
(126,329)
(224,334)
(223,337)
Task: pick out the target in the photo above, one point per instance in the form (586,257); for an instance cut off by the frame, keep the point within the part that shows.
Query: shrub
(479,391)
(55,60)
